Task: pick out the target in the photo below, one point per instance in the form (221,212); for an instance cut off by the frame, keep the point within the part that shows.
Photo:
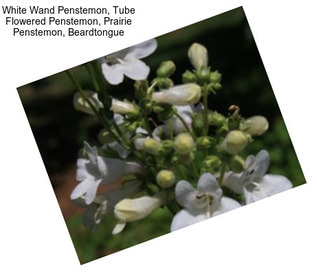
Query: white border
(279,233)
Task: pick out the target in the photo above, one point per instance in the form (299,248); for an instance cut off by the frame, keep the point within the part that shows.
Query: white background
(284,232)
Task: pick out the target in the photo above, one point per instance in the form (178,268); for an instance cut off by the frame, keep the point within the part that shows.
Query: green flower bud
(212,162)
(216,119)
(152,146)
(215,77)
(237,163)
(184,144)
(189,77)
(235,142)
(179,95)
(197,122)
(256,125)
(203,142)
(203,74)
(165,178)
(141,89)
(198,56)
(165,83)
(124,108)
(166,69)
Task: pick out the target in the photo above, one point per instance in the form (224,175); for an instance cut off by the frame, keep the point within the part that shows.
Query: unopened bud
(128,210)
(216,119)
(237,164)
(235,142)
(204,142)
(179,95)
(215,77)
(152,146)
(166,69)
(212,162)
(124,108)
(189,77)
(198,56)
(141,87)
(203,74)
(256,125)
(184,143)
(165,178)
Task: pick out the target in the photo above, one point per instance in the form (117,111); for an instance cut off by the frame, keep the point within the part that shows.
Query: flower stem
(205,114)
(91,72)
(222,171)
(185,124)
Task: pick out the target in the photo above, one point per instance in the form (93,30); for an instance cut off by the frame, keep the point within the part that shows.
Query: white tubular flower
(198,56)
(127,62)
(253,183)
(205,202)
(91,173)
(121,107)
(103,205)
(179,95)
(129,210)
(82,105)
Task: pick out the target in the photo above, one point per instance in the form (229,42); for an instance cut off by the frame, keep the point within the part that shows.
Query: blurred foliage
(92,244)
(59,130)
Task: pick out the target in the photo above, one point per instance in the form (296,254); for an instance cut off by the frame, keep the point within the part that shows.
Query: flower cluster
(166,147)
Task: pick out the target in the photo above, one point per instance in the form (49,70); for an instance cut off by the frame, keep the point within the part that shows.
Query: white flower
(198,56)
(200,204)
(253,183)
(118,107)
(179,95)
(103,204)
(126,62)
(96,170)
(129,210)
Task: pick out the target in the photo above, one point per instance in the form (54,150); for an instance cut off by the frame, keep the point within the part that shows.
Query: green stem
(91,72)
(185,124)
(205,115)
(222,171)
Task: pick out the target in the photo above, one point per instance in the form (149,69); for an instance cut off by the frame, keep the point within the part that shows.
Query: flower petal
(113,73)
(233,181)
(208,184)
(143,49)
(92,152)
(185,193)
(227,204)
(81,172)
(256,167)
(183,218)
(81,189)
(135,69)
(119,227)
(116,146)
(91,191)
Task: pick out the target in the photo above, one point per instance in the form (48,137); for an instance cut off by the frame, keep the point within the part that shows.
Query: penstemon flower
(179,95)
(253,183)
(96,170)
(200,204)
(129,210)
(127,62)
